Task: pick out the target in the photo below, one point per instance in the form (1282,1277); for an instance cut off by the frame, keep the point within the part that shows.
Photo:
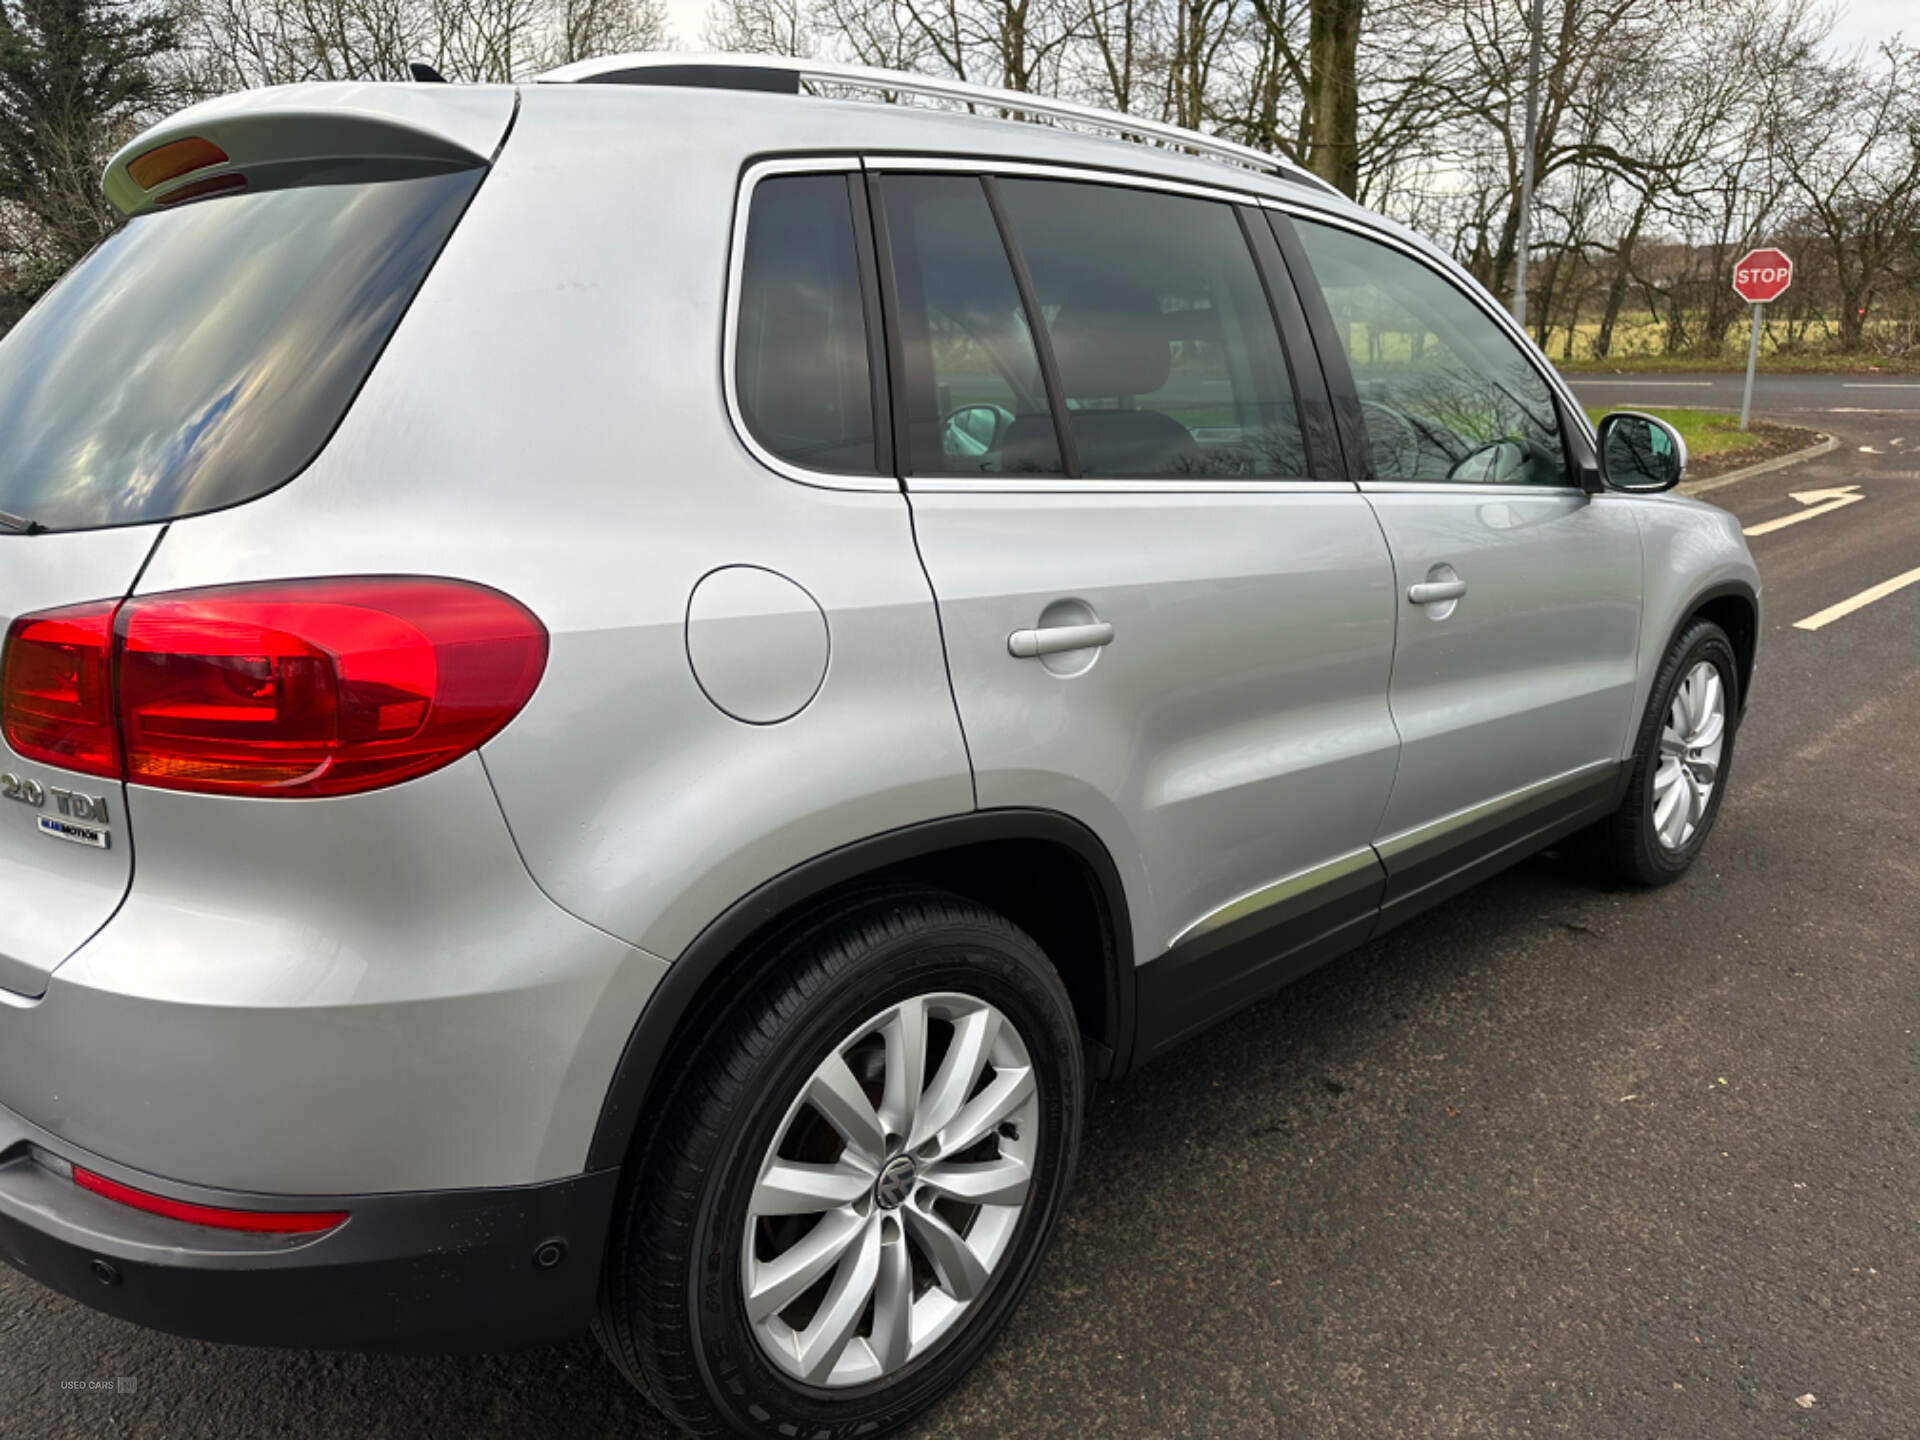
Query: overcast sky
(1860,21)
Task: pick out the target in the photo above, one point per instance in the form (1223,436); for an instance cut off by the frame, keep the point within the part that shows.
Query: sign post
(1758,276)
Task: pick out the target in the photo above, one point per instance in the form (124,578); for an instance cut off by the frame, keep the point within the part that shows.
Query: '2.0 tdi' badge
(87,822)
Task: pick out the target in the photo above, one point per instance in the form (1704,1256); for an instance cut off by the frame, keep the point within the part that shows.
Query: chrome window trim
(1041,170)
(938,484)
(1472,291)
(1449,487)
(1118,485)
(736,265)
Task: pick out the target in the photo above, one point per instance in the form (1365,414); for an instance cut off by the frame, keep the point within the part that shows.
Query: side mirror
(975,429)
(1640,453)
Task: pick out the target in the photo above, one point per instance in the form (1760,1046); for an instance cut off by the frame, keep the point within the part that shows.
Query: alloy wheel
(1691,743)
(891,1191)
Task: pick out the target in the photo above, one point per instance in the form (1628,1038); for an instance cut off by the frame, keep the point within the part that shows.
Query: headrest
(1110,339)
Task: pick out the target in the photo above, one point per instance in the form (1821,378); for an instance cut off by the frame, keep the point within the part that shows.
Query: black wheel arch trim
(723,938)
(1690,612)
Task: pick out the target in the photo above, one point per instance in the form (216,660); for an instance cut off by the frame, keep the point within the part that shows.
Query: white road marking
(1863,599)
(1880,384)
(1868,450)
(1655,384)
(1836,499)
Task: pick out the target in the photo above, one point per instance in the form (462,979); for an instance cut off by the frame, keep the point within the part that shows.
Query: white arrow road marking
(1864,598)
(1836,499)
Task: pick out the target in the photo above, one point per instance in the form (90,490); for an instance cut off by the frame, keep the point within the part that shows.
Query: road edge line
(1765,467)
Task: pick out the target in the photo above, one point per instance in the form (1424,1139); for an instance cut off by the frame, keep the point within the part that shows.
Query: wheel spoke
(959,1269)
(837,1095)
(1664,778)
(1697,793)
(1673,803)
(825,1339)
(1709,733)
(779,1282)
(789,1188)
(906,1040)
(1711,704)
(973,1037)
(1009,1090)
(988,1182)
(893,1300)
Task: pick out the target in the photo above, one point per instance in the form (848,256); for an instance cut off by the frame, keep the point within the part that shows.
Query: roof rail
(786,74)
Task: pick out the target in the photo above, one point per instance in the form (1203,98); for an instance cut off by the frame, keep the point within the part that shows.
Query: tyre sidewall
(996,965)
(1702,641)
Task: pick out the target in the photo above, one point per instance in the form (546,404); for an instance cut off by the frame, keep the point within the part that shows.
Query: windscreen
(199,357)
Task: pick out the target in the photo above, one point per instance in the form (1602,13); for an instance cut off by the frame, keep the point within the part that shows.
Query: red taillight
(258,1222)
(57,705)
(304,688)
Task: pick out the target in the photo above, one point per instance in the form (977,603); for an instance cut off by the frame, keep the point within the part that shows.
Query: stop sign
(1762,275)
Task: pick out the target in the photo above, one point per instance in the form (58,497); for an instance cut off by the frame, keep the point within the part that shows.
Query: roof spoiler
(307,134)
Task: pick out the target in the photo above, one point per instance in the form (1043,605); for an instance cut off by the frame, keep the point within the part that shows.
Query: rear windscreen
(199,357)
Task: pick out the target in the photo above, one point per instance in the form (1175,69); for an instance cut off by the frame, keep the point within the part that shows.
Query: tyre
(1681,760)
(855,1179)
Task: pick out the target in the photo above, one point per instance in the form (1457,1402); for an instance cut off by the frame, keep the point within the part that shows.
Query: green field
(1637,341)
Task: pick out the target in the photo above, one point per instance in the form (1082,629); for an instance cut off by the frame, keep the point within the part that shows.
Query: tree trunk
(1333,91)
(1617,283)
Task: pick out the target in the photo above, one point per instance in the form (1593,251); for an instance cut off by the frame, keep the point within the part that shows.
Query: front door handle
(1433,592)
(1053,639)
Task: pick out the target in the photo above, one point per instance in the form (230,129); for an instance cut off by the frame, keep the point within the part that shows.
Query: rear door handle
(1051,640)
(1432,592)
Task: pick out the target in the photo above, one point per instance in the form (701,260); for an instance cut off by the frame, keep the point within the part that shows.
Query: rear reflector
(304,688)
(170,161)
(257,1222)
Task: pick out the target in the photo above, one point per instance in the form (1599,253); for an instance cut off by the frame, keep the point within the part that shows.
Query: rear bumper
(426,1271)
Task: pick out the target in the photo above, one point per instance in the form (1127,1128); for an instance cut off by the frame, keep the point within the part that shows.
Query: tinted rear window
(804,386)
(202,356)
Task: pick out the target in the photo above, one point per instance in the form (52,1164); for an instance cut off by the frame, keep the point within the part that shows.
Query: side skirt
(1254,945)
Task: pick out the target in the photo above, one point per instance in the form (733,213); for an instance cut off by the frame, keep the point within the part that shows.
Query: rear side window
(1168,354)
(199,357)
(976,401)
(800,365)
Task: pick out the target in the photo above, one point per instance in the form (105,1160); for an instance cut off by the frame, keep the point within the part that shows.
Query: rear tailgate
(197,358)
(56,891)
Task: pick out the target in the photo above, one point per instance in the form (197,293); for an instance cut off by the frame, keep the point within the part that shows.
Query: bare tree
(1852,156)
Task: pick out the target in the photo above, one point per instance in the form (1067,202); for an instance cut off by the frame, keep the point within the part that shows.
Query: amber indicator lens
(176,158)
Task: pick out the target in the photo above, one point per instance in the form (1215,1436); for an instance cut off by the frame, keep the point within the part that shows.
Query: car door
(1518,592)
(1165,613)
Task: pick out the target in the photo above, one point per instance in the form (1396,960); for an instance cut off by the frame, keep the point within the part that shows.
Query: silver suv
(617,691)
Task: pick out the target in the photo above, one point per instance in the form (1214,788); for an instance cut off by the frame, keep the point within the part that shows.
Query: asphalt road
(1549,1160)
(1782,396)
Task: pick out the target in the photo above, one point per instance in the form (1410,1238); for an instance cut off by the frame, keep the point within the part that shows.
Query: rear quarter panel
(549,420)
